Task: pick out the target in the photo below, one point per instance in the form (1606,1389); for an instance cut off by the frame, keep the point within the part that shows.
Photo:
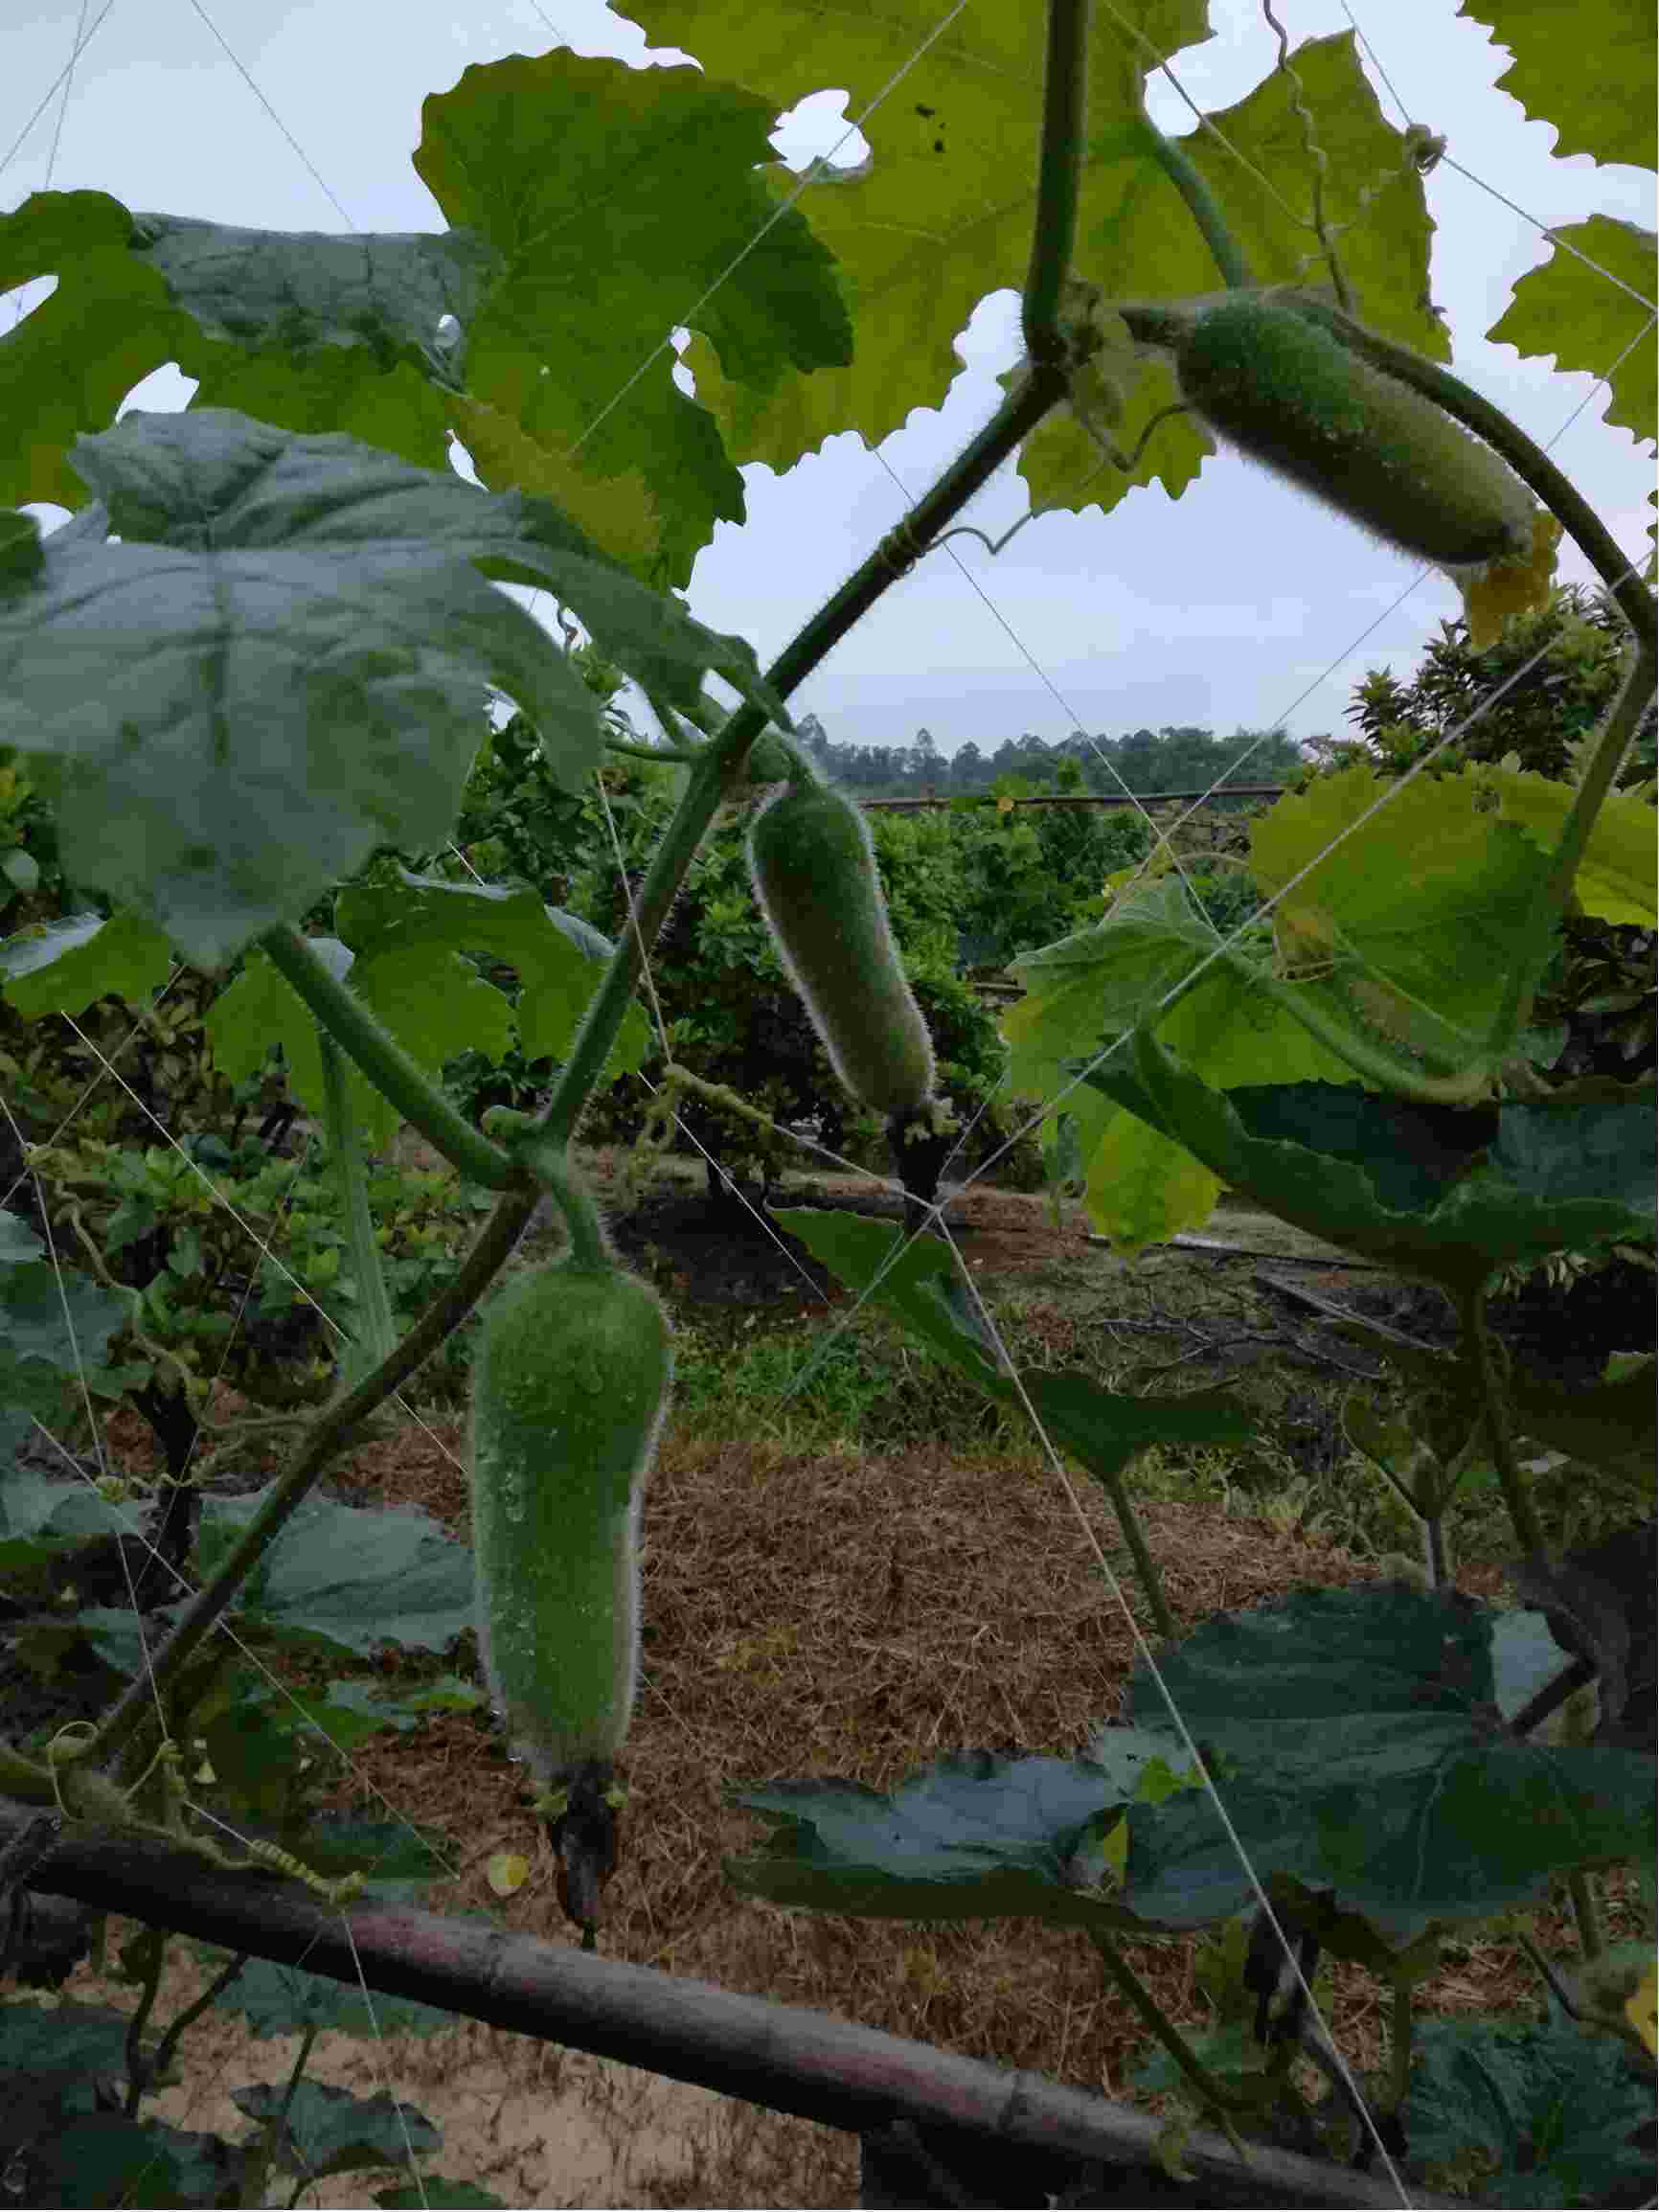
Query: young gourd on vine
(814,869)
(1268,376)
(571,1380)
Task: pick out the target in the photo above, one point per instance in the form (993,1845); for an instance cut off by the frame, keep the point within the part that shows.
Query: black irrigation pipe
(781,2056)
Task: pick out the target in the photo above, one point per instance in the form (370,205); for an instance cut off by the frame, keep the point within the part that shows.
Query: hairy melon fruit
(1288,393)
(814,874)
(569,1385)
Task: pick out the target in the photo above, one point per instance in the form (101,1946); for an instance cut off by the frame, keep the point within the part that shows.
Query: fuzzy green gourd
(1288,393)
(814,874)
(570,1386)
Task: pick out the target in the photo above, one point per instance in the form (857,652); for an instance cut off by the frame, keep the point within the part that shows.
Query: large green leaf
(1567,308)
(543,302)
(54,1333)
(974,1837)
(61,966)
(942,214)
(324,2130)
(923,1287)
(1561,2115)
(39,1518)
(1370,1765)
(1614,881)
(612,198)
(347,1578)
(399,930)
(103,2159)
(285,2000)
(1606,110)
(310,331)
(1449,1195)
(1088,991)
(69,364)
(1429,970)
(281,666)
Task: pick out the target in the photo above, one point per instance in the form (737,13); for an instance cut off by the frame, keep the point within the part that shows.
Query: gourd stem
(1202,205)
(1054,233)
(551,1165)
(1400,2047)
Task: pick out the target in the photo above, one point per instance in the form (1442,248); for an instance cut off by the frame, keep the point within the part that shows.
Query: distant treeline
(1166,760)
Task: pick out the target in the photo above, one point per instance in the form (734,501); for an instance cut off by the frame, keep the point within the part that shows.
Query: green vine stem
(331,1432)
(551,1166)
(374,1335)
(647,752)
(1202,205)
(415,1095)
(1146,1572)
(1512,1480)
(1586,1914)
(1400,2017)
(193,2011)
(1214,2094)
(1053,234)
(702,714)
(154,1958)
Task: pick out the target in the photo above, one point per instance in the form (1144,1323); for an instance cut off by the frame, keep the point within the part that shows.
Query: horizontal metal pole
(785,2056)
(1084,798)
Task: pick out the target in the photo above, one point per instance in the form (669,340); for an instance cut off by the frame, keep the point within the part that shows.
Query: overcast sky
(1241,606)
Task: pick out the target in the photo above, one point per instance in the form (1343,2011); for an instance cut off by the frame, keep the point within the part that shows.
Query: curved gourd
(1288,393)
(814,874)
(570,1386)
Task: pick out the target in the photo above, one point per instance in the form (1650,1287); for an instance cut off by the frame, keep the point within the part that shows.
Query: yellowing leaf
(1585,308)
(1615,879)
(1115,1851)
(617,513)
(1506,588)
(924,230)
(1642,2009)
(1170,2146)
(1607,112)
(507,1871)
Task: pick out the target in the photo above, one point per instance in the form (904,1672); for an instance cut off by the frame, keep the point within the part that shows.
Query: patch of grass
(804,1382)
